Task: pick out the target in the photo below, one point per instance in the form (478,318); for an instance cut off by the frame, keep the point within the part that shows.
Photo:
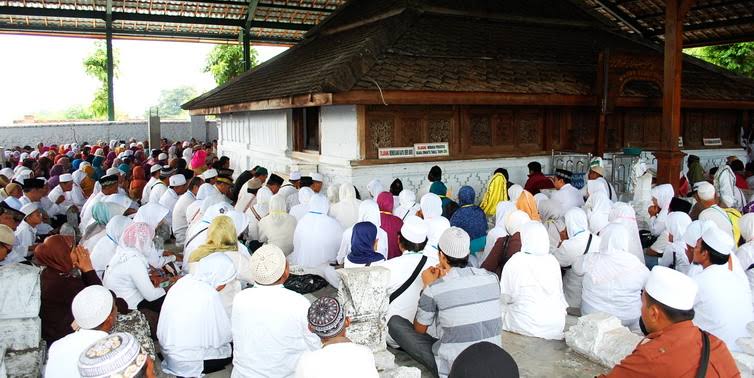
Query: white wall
(61,133)
(338,136)
(256,138)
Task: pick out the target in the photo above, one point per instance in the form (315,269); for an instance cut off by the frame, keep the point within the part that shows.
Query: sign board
(712,142)
(431,149)
(395,153)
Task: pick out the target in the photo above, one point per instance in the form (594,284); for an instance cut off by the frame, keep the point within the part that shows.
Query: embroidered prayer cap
(671,288)
(564,174)
(267,264)
(455,243)
(117,355)
(414,229)
(326,317)
(91,307)
(108,180)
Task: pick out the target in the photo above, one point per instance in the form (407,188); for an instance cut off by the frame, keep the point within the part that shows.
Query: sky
(45,74)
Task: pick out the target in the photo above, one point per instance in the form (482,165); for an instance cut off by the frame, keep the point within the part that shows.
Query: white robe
(346,211)
(157,191)
(725,187)
(147,189)
(568,197)
(745,254)
(277,228)
(572,250)
(179,222)
(723,305)
(64,354)
(316,240)
(168,200)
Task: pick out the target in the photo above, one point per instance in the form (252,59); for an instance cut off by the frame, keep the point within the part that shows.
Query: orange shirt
(675,352)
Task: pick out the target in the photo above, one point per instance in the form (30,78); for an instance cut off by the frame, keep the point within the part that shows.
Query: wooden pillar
(669,156)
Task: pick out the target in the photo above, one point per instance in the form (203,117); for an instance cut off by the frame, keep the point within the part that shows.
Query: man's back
(270,332)
(466,304)
(675,352)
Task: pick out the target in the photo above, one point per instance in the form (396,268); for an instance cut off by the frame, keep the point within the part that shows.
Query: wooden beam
(302,101)
(619,15)
(393,97)
(643,102)
(669,157)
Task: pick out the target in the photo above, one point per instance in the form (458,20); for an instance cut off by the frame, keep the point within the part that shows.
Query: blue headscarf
(97,164)
(75,165)
(469,217)
(101,213)
(362,244)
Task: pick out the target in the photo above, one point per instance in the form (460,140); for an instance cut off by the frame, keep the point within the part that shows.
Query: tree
(737,57)
(170,101)
(95,66)
(225,62)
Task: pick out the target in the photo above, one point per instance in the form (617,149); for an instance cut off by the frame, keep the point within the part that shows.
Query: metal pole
(246,50)
(109,43)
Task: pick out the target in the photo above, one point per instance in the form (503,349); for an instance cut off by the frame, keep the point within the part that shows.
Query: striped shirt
(465,304)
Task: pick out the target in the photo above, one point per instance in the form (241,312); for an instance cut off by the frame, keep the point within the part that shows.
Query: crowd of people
(168,246)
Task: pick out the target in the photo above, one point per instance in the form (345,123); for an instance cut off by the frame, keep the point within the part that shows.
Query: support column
(246,50)
(109,43)
(669,157)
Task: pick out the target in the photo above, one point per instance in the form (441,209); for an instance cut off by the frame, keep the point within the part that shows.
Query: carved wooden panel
(693,125)
(505,133)
(380,132)
(529,126)
(411,131)
(481,129)
(438,130)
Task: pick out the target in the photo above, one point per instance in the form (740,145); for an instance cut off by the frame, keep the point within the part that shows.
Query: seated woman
(390,223)
(448,205)
(316,241)
(578,242)
(506,246)
(105,248)
(470,218)
(59,286)
(531,289)
(363,243)
(194,328)
(277,227)
(222,239)
(128,272)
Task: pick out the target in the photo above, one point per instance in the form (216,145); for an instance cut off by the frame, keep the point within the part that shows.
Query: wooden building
(501,82)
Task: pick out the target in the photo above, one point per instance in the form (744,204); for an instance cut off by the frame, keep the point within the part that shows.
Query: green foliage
(95,66)
(737,57)
(225,62)
(170,101)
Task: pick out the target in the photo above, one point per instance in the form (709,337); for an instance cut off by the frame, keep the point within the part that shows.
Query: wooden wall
(507,131)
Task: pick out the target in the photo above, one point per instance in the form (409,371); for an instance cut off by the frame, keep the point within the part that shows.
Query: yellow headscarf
(497,191)
(221,237)
(528,204)
(87,183)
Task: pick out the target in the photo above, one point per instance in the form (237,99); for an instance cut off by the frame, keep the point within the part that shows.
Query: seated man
(339,357)
(673,346)
(95,314)
(458,298)
(537,180)
(269,322)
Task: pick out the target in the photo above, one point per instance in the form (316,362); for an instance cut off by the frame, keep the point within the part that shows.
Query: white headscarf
(262,205)
(151,214)
(407,204)
(375,187)
(514,192)
(194,332)
(551,214)
(106,247)
(431,206)
(539,197)
(746,224)
(188,153)
(623,214)
(136,242)
(599,211)
(79,174)
(576,223)
(534,240)
(369,211)
(346,211)
(515,220)
(332,193)
(612,260)
(677,222)
(501,212)
(317,237)
(663,194)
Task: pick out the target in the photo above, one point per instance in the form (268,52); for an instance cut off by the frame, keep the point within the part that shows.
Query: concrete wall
(265,138)
(20,135)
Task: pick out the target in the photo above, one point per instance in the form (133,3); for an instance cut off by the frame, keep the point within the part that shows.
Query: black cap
(225,175)
(678,204)
(275,180)
(166,172)
(33,183)
(108,180)
(260,171)
(187,173)
(17,215)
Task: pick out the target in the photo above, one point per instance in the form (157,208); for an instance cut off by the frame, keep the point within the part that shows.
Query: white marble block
(745,363)
(25,363)
(19,291)
(402,372)
(602,338)
(363,293)
(20,334)
(3,372)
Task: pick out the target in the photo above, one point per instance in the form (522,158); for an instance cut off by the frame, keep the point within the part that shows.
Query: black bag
(647,239)
(305,283)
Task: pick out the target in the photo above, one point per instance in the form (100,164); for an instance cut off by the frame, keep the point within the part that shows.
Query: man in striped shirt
(463,302)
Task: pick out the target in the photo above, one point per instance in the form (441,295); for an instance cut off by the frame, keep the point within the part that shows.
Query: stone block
(402,372)
(746,344)
(19,291)
(750,328)
(384,360)
(363,293)
(25,363)
(3,372)
(745,363)
(20,334)
(602,338)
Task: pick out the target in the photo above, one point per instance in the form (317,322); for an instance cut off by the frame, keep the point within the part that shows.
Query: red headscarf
(390,223)
(55,253)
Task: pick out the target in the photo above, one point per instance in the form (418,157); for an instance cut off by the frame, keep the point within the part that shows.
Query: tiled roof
(426,49)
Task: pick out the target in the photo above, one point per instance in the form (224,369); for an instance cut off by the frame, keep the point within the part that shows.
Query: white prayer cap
(65,177)
(695,230)
(121,200)
(29,208)
(155,168)
(210,173)
(317,177)
(267,264)
(186,144)
(22,175)
(177,180)
(705,190)
(414,229)
(91,307)
(296,175)
(240,220)
(116,355)
(721,242)
(7,172)
(455,243)
(671,288)
(162,156)
(113,171)
(132,145)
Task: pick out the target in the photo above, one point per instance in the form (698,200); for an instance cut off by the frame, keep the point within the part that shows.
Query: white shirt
(180,223)
(168,199)
(723,305)
(270,332)
(717,215)
(745,255)
(531,292)
(130,281)
(25,237)
(278,230)
(158,189)
(73,197)
(341,360)
(64,353)
(568,197)
(147,189)
(570,252)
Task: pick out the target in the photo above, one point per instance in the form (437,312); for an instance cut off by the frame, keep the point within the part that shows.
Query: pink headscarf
(199,159)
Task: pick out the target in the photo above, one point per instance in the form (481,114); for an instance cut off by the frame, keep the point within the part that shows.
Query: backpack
(733,216)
